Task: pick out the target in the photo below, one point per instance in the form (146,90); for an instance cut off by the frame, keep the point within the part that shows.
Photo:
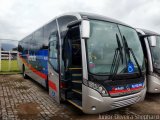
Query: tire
(23,72)
(47,84)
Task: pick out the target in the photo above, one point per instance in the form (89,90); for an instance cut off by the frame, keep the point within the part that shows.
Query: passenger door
(53,67)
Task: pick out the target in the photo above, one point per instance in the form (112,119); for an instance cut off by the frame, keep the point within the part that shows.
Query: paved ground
(25,99)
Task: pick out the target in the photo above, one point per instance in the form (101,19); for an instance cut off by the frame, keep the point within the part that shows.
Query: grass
(5,66)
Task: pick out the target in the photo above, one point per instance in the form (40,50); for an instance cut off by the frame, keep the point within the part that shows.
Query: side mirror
(152,41)
(85,29)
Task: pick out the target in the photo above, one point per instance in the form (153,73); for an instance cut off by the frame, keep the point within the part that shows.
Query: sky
(19,18)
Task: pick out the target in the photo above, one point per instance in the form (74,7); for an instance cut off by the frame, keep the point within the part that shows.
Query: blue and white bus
(94,62)
(151,46)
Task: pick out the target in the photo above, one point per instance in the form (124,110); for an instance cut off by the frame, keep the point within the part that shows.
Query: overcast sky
(21,17)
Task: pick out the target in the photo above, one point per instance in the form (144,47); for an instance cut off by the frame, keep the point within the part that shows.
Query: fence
(8,56)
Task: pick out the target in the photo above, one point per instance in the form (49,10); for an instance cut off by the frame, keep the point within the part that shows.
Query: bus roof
(100,17)
(148,32)
(81,15)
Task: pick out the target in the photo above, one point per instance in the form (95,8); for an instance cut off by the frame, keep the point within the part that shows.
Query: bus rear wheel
(23,72)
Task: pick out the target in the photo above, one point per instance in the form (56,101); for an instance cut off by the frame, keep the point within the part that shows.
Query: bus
(94,62)
(151,46)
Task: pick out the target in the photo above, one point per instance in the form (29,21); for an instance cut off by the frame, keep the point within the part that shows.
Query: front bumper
(93,102)
(153,84)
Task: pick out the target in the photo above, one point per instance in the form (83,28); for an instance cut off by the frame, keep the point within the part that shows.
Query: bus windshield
(155,51)
(102,45)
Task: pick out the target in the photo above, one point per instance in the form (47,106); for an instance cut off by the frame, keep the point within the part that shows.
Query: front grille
(125,93)
(126,102)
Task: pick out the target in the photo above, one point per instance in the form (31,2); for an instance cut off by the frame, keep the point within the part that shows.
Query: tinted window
(26,43)
(38,36)
(53,50)
(133,41)
(155,52)
(102,46)
(48,29)
(53,46)
(52,34)
(38,39)
(20,49)
(63,22)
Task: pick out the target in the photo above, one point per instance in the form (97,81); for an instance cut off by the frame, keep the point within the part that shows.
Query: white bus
(94,62)
(151,47)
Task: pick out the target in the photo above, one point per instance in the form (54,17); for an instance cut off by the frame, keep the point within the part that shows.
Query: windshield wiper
(116,59)
(128,50)
(120,48)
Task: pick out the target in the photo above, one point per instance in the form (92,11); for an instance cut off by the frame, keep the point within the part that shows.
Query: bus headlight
(98,88)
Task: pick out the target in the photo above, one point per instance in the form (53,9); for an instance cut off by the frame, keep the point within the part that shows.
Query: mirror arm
(74,23)
(148,35)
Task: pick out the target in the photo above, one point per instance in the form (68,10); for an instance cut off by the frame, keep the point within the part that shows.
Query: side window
(48,29)
(53,46)
(20,49)
(38,36)
(38,39)
(53,51)
(51,32)
(26,45)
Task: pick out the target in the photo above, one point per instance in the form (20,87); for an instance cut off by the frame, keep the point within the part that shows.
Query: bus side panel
(34,57)
(39,67)
(38,78)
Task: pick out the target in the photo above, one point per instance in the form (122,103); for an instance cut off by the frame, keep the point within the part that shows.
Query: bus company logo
(32,58)
(118,88)
(128,88)
(137,85)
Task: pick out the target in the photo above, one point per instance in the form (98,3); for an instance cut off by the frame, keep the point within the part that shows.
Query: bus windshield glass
(134,44)
(155,51)
(103,43)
